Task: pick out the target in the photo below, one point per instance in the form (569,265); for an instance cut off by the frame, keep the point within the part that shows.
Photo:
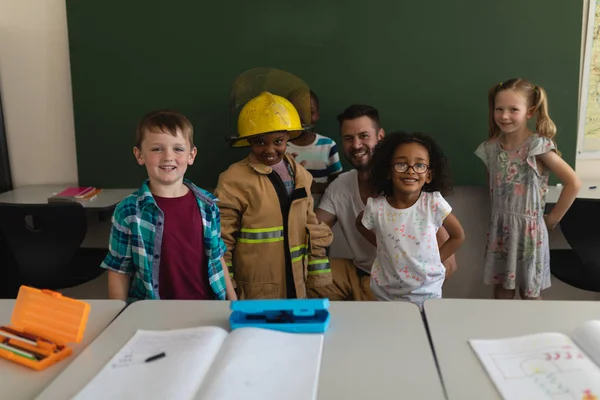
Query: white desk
(584,193)
(452,322)
(371,350)
(38,194)
(19,382)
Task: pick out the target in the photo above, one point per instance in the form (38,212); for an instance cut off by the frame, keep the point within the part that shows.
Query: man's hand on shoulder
(303,162)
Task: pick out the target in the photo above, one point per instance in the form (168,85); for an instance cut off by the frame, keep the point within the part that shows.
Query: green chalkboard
(426,65)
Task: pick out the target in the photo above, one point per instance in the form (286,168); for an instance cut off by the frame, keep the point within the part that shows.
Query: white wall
(588,169)
(35,83)
(36,92)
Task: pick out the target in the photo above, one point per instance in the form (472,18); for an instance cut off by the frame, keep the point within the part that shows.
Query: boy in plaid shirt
(165,241)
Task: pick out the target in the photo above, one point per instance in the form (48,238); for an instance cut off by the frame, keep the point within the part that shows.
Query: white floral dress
(517,252)
(408,265)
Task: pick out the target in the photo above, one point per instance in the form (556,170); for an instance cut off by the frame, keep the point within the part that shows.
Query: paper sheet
(177,376)
(541,366)
(260,364)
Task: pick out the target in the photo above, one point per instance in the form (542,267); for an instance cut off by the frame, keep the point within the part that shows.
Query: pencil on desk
(36,351)
(17,337)
(31,339)
(18,352)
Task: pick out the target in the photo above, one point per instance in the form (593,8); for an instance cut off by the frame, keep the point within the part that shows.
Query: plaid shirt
(136,239)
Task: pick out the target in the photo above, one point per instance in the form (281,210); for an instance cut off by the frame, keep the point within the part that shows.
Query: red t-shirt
(183,273)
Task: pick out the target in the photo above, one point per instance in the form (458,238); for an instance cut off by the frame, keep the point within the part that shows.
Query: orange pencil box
(42,325)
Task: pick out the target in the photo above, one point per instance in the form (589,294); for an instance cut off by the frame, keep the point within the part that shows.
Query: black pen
(155,357)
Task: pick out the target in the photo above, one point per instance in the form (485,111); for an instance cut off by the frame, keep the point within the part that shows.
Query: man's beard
(361,166)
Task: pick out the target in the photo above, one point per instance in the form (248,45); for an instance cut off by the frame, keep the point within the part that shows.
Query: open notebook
(210,363)
(546,365)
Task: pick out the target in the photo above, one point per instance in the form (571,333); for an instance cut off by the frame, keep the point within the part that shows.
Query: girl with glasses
(410,174)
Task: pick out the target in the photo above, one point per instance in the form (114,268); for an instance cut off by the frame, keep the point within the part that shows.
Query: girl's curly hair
(379,171)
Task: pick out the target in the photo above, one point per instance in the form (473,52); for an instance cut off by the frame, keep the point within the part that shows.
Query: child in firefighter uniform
(276,247)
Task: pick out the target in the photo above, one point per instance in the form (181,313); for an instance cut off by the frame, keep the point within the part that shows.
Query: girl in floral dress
(519,163)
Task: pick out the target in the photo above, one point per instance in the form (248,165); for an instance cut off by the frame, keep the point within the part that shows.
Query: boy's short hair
(313,96)
(360,110)
(164,121)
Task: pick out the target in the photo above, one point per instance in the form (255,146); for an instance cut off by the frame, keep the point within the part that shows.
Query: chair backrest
(10,275)
(42,238)
(581,228)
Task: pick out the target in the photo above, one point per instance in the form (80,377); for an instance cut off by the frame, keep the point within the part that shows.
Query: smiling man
(346,197)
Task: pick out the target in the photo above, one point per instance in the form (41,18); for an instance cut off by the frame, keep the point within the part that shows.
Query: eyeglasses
(419,168)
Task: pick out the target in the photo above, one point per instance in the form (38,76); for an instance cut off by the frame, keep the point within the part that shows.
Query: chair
(9,284)
(579,266)
(43,245)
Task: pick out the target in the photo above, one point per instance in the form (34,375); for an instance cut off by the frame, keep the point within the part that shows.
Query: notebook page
(541,366)
(587,337)
(189,354)
(262,364)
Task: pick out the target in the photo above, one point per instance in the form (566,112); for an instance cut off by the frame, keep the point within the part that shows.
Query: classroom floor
(98,289)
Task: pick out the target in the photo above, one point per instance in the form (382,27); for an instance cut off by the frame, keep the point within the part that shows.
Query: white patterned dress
(517,252)
(408,265)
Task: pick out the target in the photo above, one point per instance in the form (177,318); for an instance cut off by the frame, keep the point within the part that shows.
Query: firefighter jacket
(276,247)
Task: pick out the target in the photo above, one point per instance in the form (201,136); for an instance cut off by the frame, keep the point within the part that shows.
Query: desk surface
(19,382)
(371,350)
(584,193)
(453,322)
(38,194)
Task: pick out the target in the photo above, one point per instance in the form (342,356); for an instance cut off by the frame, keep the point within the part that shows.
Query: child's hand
(550,222)
(369,235)
(450,266)
(358,221)
(231,295)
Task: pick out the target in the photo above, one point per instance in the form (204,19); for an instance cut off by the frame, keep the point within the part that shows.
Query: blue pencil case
(287,315)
